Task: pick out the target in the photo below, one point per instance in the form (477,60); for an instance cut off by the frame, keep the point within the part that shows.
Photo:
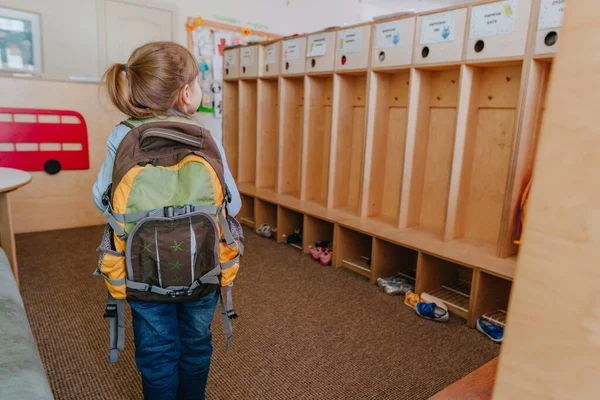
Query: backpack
(168,236)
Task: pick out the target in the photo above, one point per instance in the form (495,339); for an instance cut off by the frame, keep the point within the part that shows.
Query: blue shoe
(494,332)
(433,312)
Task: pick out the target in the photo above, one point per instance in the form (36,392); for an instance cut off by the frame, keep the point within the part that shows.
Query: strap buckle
(179,293)
(231,314)
(110,311)
(169,211)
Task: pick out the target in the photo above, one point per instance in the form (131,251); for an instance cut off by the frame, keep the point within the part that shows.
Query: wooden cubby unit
(316,230)
(488,121)
(265,213)
(352,250)
(287,223)
(231,137)
(247,131)
(246,214)
(291,135)
(447,281)
(386,140)
(490,298)
(390,259)
(267,134)
(317,138)
(347,142)
(434,110)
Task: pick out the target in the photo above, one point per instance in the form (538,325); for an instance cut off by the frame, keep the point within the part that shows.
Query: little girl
(172,340)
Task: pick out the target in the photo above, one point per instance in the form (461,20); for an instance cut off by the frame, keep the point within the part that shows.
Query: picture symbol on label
(446,32)
(396,39)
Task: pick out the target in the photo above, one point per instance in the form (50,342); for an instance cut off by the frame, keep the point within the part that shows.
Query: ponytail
(149,85)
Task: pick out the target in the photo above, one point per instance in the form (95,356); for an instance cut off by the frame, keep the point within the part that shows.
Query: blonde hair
(150,83)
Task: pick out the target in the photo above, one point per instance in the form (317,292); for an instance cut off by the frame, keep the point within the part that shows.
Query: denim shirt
(105,174)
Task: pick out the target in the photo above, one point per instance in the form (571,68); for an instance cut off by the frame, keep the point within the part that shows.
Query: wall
(70,27)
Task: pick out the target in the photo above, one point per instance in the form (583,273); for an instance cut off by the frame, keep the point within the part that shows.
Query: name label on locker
(551,14)
(438,28)
(291,50)
(349,40)
(493,19)
(247,55)
(388,34)
(230,59)
(270,54)
(317,46)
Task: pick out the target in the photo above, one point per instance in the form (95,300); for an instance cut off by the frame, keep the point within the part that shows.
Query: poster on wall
(43,140)
(20,42)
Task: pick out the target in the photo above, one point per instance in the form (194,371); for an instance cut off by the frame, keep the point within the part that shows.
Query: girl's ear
(185,96)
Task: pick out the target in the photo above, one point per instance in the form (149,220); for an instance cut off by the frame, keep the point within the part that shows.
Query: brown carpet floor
(305,332)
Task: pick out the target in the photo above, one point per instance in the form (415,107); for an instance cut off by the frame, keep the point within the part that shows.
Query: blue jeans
(173,346)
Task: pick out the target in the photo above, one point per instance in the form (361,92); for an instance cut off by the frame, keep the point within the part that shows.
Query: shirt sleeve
(105,174)
(234,207)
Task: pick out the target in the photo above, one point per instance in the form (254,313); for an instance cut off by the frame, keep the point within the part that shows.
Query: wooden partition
(348,134)
(267,134)
(248,92)
(231,136)
(434,109)
(490,129)
(447,281)
(386,138)
(291,130)
(317,138)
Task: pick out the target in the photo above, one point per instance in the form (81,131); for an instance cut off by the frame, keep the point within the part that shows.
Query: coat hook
(439,98)
(453,81)
(508,79)
(489,97)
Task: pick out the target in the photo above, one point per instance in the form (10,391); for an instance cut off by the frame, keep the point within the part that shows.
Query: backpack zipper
(165,133)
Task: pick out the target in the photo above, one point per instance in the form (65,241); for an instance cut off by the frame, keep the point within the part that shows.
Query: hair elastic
(126,67)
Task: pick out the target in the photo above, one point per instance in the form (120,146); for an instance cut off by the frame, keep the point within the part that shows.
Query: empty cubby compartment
(353,251)
(488,148)
(292,129)
(231,138)
(390,259)
(447,281)
(265,213)
(246,214)
(316,230)
(319,102)
(247,130)
(289,222)
(349,137)
(267,134)
(387,136)
(433,149)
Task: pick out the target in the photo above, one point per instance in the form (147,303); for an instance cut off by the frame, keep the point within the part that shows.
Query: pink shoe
(326,257)
(317,252)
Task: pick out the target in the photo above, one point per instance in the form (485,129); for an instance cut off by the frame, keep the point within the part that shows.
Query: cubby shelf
(398,146)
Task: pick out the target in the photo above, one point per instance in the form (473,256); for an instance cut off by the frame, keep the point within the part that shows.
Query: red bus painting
(43,140)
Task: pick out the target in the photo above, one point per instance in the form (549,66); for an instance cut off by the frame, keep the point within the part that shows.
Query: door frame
(101,23)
